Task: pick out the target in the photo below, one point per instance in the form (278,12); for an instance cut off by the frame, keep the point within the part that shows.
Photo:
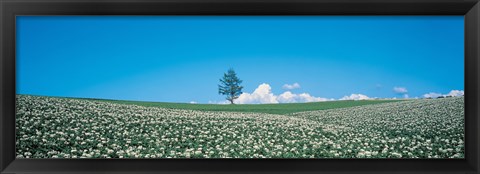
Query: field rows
(71,128)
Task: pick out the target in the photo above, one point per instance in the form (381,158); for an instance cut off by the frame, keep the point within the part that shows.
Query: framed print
(239,87)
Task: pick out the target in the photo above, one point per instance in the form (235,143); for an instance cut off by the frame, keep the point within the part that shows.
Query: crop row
(72,128)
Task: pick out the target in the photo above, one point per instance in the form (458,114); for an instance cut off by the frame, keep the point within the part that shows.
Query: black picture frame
(9,9)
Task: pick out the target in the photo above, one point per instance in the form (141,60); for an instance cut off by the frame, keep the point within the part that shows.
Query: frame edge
(472,54)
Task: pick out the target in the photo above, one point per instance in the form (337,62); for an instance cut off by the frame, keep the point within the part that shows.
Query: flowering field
(76,128)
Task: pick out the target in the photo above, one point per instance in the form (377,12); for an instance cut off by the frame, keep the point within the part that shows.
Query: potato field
(49,127)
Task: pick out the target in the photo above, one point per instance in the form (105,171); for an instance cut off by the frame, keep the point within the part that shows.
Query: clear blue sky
(181,58)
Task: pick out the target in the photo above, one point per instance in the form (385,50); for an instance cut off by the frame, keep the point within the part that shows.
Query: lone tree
(230,85)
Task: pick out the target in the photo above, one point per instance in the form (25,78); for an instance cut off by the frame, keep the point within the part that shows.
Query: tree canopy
(230,86)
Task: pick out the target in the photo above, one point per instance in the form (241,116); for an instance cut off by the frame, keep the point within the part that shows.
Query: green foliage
(230,85)
(283,109)
(49,127)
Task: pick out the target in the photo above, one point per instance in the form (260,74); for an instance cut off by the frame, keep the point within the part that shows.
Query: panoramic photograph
(240,87)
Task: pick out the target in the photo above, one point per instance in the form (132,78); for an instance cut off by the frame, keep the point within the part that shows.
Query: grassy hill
(282,108)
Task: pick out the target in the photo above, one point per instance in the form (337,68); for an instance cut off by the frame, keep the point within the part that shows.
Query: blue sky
(182,58)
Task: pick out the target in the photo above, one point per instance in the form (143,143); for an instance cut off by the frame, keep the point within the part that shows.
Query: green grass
(282,108)
(286,108)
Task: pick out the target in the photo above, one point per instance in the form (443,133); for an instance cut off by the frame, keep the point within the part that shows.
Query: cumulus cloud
(456,93)
(400,90)
(432,95)
(355,97)
(453,93)
(263,94)
(221,102)
(290,87)
(193,102)
(289,97)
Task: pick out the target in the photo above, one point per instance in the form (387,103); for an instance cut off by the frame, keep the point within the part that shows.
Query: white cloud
(220,102)
(290,87)
(263,94)
(456,93)
(453,93)
(400,90)
(193,102)
(289,97)
(432,95)
(355,97)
